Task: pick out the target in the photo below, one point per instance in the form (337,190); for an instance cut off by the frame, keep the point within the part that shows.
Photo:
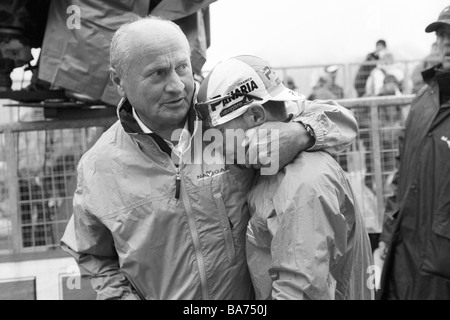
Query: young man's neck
(274,118)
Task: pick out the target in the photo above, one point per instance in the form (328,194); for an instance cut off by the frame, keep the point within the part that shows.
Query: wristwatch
(309,130)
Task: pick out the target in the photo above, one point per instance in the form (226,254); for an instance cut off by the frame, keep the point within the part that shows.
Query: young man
(306,238)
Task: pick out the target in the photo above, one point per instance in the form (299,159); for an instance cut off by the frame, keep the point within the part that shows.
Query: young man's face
(443,45)
(233,133)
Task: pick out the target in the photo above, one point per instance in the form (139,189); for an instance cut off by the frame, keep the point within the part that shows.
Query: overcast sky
(305,32)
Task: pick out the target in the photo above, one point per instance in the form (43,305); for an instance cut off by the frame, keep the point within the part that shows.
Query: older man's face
(159,83)
(443,44)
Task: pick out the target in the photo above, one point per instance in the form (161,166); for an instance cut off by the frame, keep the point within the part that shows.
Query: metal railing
(38,170)
(38,178)
(306,77)
(371,161)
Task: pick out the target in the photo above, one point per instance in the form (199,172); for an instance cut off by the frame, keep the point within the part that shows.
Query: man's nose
(174,84)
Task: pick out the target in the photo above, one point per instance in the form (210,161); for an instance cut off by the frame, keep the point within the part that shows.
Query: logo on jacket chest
(213,173)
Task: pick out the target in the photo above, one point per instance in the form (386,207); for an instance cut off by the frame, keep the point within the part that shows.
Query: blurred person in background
(391,86)
(331,72)
(385,66)
(290,83)
(321,90)
(416,233)
(326,87)
(368,65)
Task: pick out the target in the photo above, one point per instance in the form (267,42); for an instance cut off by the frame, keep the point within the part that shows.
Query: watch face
(310,130)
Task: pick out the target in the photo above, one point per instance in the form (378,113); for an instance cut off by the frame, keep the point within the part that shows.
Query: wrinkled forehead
(163,46)
(157,34)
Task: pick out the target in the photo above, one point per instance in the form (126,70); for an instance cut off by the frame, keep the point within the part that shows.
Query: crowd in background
(380,74)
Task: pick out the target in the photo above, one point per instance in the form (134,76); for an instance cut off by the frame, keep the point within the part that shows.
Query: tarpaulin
(193,18)
(177,9)
(78,59)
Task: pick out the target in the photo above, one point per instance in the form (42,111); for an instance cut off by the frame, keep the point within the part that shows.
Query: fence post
(375,128)
(347,81)
(13,190)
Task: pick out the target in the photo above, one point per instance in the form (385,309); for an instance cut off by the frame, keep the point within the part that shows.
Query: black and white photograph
(224,154)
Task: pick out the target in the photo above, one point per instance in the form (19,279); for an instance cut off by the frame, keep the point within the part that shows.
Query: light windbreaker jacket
(306,239)
(145,228)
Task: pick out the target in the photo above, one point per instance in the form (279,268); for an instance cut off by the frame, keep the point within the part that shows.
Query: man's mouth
(174,102)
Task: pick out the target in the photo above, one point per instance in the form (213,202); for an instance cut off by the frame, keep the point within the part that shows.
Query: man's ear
(117,80)
(255,115)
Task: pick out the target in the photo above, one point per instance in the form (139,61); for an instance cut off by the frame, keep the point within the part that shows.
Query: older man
(148,223)
(418,260)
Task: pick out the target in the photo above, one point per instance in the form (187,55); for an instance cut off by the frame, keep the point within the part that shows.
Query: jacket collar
(430,74)
(130,125)
(125,115)
(440,79)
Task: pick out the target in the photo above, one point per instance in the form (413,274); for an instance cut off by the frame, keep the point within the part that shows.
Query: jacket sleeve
(91,244)
(335,127)
(311,231)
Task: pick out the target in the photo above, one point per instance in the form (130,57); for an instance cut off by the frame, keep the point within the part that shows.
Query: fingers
(257,145)
(249,136)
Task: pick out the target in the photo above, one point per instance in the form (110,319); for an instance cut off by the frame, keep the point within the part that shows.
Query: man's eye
(157,74)
(182,67)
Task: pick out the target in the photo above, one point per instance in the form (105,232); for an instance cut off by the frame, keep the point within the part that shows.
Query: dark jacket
(417,265)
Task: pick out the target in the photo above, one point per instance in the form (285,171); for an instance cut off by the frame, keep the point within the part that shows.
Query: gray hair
(120,51)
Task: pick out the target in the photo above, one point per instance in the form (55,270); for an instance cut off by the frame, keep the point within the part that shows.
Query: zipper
(134,286)
(178,183)
(195,238)
(198,251)
(179,191)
